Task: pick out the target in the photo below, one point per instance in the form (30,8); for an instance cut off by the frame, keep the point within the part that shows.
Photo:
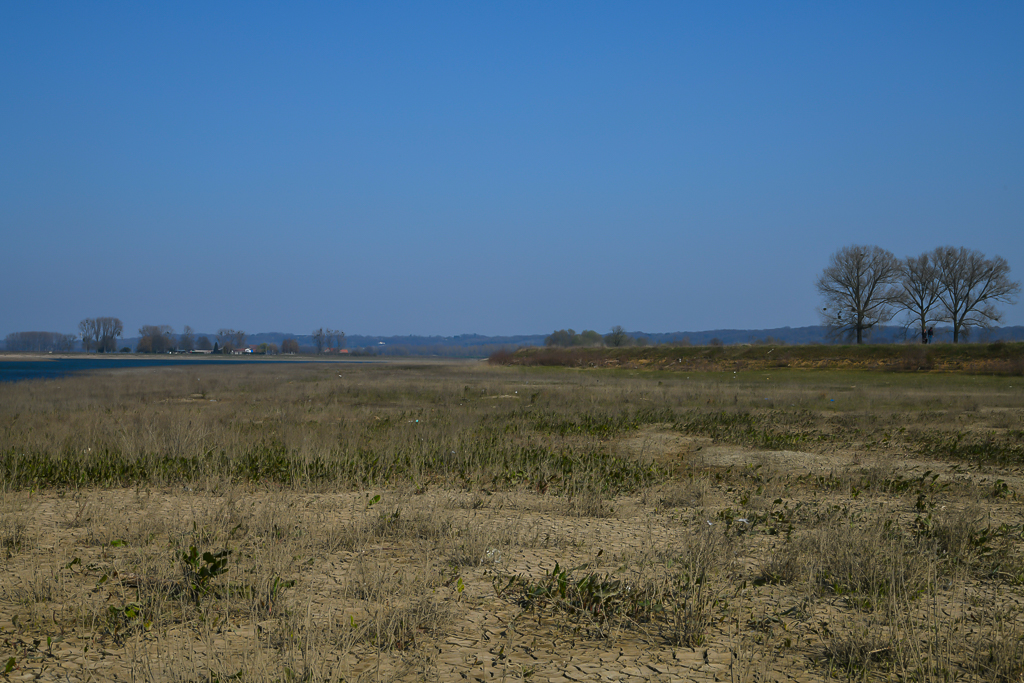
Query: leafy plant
(679,603)
(124,620)
(201,569)
(589,598)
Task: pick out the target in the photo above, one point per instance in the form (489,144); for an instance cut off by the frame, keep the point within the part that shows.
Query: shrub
(501,357)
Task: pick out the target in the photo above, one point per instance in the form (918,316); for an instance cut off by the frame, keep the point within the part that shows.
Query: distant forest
(481,346)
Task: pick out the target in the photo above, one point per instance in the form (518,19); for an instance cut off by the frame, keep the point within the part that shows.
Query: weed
(868,560)
(1006,451)
(1000,656)
(856,654)
(962,540)
(591,600)
(123,621)
(678,600)
(13,534)
(782,567)
(200,569)
(691,492)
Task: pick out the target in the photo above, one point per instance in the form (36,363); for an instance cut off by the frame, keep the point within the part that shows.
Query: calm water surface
(18,370)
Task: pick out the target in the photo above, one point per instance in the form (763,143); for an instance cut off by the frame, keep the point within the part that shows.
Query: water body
(20,370)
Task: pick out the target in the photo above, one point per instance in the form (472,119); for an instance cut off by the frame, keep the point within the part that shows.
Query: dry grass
(429,521)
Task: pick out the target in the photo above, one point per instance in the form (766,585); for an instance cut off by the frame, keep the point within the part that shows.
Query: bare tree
(969,287)
(617,337)
(100,334)
(919,291)
(290,346)
(335,339)
(187,339)
(224,335)
(203,343)
(155,339)
(859,290)
(320,339)
(230,340)
(66,342)
(87,331)
(110,330)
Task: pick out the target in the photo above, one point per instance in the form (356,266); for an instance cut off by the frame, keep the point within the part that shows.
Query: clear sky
(499,168)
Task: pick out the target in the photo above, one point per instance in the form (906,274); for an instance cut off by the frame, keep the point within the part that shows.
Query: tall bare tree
(224,336)
(155,339)
(618,337)
(187,339)
(100,334)
(110,330)
(66,342)
(87,331)
(336,339)
(320,339)
(969,287)
(230,339)
(919,291)
(859,288)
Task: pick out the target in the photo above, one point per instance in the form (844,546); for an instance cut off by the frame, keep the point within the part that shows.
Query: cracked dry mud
(87,557)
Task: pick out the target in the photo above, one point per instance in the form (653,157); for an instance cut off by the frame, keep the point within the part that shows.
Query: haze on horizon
(448,168)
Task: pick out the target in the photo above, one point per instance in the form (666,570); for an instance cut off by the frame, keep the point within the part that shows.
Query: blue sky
(446,168)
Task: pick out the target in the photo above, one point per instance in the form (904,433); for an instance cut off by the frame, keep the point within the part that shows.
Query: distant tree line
(162,339)
(866,286)
(566,338)
(617,337)
(102,334)
(40,341)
